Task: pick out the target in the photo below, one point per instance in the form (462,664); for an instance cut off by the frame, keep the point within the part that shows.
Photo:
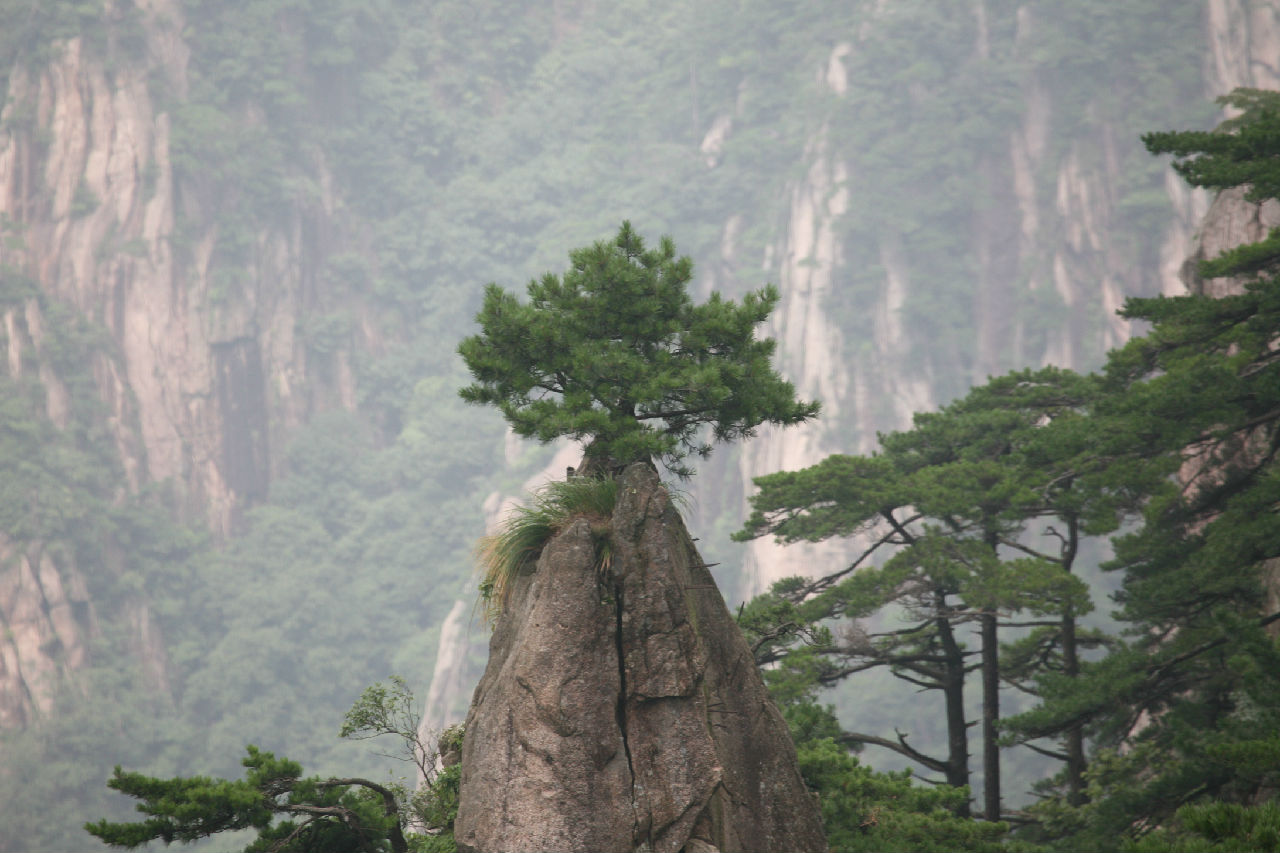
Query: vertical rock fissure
(622,698)
(675,656)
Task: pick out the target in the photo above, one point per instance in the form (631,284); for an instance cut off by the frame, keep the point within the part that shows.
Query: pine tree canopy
(959,500)
(293,814)
(1187,428)
(615,354)
(1239,152)
(350,815)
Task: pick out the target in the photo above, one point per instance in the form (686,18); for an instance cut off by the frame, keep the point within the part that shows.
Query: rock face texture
(198,380)
(1053,229)
(1231,221)
(621,708)
(200,377)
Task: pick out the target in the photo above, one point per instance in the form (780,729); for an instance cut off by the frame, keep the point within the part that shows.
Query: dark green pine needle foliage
(1177,439)
(869,812)
(1239,152)
(292,814)
(951,510)
(615,354)
(325,816)
(1185,713)
(1216,827)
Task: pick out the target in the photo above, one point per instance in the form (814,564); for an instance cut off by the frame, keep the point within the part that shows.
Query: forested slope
(242,240)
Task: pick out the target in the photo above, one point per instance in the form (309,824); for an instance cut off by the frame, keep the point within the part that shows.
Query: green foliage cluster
(1228,157)
(616,355)
(953,508)
(869,812)
(1215,827)
(865,810)
(1191,695)
(347,814)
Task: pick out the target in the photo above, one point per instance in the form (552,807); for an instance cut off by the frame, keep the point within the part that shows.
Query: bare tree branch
(1049,753)
(900,746)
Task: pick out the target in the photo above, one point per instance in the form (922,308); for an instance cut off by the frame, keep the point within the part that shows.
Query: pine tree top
(615,353)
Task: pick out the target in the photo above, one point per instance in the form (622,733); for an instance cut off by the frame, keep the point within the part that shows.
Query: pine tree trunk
(1071,667)
(990,715)
(1075,735)
(953,691)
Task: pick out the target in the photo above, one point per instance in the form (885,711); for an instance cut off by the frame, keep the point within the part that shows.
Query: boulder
(621,708)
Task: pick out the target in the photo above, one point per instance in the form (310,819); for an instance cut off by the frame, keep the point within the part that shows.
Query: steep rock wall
(1054,220)
(811,349)
(1230,221)
(202,372)
(208,367)
(48,617)
(1244,45)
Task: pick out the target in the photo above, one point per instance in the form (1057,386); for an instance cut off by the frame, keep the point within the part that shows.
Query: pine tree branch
(777,633)
(1048,753)
(907,537)
(1043,623)
(1204,647)
(915,629)
(342,812)
(937,783)
(297,832)
(1260,365)
(924,685)
(1067,476)
(828,580)
(900,746)
(1018,546)
(389,804)
(675,413)
(1154,673)
(1021,688)
(1217,436)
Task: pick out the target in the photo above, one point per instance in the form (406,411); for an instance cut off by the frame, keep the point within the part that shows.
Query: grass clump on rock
(520,537)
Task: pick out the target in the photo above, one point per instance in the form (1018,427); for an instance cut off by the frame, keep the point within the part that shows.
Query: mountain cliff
(197,363)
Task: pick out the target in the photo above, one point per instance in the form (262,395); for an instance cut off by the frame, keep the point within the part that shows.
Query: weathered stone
(677,748)
(544,764)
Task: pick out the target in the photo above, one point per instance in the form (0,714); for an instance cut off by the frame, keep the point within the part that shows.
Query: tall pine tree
(963,497)
(1188,424)
(614,353)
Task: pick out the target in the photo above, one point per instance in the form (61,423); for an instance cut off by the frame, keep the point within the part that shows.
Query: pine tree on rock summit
(615,354)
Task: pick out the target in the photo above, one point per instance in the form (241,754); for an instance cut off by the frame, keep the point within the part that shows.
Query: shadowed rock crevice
(621,710)
(622,691)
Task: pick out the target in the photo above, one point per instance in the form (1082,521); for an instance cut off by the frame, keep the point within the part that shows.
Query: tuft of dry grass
(520,537)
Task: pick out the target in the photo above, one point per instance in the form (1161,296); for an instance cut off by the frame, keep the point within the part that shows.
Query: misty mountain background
(241,240)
